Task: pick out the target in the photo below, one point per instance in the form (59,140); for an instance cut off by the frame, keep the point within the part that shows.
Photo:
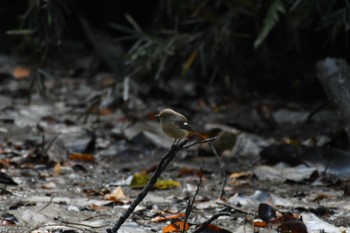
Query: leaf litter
(67,161)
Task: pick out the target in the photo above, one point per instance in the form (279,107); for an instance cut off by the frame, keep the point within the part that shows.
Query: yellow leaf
(166,184)
(139,180)
(189,62)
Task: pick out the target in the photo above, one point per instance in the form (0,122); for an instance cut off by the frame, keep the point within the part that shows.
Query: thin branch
(165,160)
(198,142)
(237,209)
(45,206)
(163,163)
(70,224)
(222,170)
(205,224)
(191,202)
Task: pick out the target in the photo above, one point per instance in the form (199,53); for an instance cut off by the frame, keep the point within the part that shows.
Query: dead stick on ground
(163,163)
(191,202)
(237,209)
(205,224)
(222,170)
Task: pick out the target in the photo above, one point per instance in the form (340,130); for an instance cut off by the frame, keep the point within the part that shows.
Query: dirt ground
(68,160)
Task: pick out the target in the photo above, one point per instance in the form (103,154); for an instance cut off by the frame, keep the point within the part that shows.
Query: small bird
(175,125)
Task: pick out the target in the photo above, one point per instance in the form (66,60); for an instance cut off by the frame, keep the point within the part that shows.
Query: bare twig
(191,202)
(49,144)
(45,206)
(237,209)
(212,218)
(198,142)
(71,224)
(163,163)
(80,227)
(222,170)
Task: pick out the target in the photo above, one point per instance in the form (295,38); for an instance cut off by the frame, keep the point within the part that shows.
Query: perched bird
(175,125)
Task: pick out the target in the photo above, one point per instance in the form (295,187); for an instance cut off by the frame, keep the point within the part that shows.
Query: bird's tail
(198,134)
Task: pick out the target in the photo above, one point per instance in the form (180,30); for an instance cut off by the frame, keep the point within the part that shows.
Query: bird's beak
(158,116)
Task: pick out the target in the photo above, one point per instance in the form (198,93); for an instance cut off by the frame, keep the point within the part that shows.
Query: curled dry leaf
(117,195)
(57,169)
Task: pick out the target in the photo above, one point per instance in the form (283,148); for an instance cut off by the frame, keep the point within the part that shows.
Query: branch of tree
(163,163)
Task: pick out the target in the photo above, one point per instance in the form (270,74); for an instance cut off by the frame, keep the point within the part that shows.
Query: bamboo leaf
(189,62)
(270,21)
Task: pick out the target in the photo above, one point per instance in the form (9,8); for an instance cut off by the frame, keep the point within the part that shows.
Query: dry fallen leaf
(21,72)
(178,226)
(117,195)
(213,228)
(260,223)
(57,169)
(186,171)
(49,185)
(166,217)
(5,163)
(166,184)
(82,157)
(98,207)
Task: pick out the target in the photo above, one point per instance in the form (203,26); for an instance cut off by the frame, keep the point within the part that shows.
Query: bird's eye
(165,117)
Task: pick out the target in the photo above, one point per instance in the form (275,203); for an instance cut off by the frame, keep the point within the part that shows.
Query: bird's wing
(182,125)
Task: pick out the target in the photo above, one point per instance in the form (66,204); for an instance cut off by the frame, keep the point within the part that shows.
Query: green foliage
(270,21)
(196,36)
(212,41)
(217,41)
(43,26)
(328,15)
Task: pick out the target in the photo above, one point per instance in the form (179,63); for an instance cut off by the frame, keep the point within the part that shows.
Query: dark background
(221,33)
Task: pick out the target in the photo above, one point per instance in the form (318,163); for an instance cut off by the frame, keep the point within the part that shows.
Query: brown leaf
(57,169)
(185,171)
(21,72)
(117,195)
(293,226)
(98,207)
(259,223)
(168,216)
(178,226)
(82,157)
(215,229)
